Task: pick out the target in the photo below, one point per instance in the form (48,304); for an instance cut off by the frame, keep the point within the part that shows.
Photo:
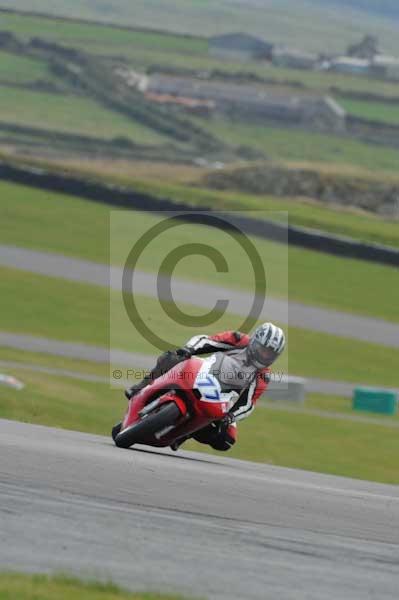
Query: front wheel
(116,429)
(157,420)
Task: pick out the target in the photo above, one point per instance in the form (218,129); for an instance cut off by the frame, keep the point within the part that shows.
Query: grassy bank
(17,586)
(29,220)
(183,183)
(340,220)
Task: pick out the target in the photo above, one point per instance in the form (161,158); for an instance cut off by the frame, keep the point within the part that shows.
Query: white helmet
(265,345)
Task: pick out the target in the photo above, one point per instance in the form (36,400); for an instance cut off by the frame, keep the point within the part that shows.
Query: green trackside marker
(375,400)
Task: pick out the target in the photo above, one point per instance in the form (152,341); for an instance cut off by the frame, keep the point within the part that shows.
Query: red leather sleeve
(234,338)
(262,382)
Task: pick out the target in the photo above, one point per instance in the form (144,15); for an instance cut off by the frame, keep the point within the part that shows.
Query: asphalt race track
(201,525)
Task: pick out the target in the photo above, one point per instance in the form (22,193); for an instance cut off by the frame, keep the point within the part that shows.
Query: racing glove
(184,352)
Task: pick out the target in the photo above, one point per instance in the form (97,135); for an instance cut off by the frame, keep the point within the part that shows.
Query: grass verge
(343,406)
(18,586)
(176,182)
(63,402)
(31,218)
(302,441)
(41,359)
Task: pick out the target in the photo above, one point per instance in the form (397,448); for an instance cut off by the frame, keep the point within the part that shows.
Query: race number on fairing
(209,387)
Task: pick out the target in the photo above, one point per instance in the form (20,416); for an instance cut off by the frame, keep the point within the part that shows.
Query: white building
(348,64)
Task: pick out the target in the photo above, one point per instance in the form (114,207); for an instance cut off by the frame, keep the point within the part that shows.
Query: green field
(299,440)
(373,111)
(29,220)
(90,36)
(298,145)
(70,114)
(21,69)
(71,311)
(17,586)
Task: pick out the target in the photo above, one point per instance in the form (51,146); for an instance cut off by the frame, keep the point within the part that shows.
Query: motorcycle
(174,406)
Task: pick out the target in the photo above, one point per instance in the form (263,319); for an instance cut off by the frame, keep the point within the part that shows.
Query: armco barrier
(126,197)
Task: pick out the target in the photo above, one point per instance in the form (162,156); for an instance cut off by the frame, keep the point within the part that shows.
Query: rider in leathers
(242,365)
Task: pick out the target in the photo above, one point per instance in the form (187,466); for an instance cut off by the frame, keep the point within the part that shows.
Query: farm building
(239,46)
(294,59)
(354,66)
(385,66)
(253,102)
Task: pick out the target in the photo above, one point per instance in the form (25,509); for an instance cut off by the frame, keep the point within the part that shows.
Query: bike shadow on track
(174,455)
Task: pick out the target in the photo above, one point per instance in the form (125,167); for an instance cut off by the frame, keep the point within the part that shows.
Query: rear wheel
(157,420)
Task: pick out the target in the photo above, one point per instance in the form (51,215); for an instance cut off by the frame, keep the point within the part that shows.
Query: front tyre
(116,429)
(165,416)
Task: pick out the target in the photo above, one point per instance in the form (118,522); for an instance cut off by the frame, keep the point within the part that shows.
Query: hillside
(61,90)
(310,24)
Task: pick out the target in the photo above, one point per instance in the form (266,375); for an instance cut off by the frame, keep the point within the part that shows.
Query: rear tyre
(137,433)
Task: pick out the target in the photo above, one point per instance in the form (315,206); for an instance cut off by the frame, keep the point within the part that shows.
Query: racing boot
(179,442)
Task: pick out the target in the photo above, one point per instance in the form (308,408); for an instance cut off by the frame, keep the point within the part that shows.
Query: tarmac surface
(201,525)
(204,295)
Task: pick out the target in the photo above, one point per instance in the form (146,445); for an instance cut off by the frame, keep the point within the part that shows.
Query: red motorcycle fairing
(197,409)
